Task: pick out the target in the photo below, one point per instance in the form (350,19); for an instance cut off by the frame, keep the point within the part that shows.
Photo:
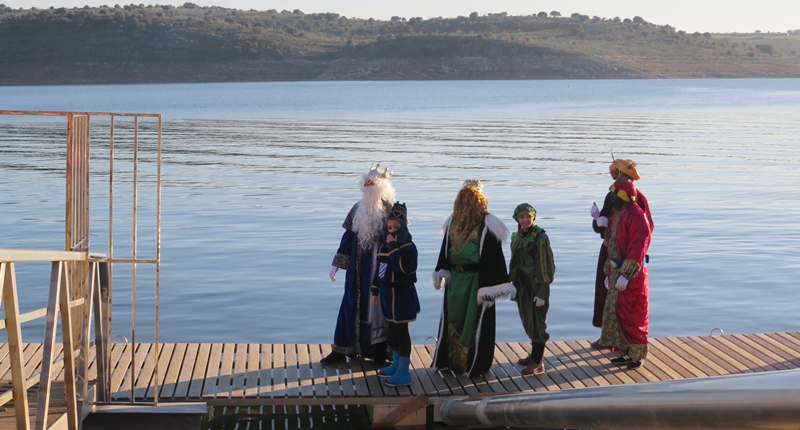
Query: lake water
(258,178)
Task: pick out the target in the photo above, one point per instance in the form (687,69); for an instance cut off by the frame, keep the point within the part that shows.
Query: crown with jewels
(399,212)
(474,184)
(376,168)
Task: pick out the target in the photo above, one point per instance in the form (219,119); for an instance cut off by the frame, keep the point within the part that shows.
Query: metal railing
(81,281)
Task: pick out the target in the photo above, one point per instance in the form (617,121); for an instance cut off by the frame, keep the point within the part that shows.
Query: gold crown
(473,183)
(385,173)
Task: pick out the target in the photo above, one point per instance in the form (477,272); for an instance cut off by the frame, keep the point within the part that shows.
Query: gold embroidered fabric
(629,269)
(611,334)
(459,242)
(637,351)
(456,353)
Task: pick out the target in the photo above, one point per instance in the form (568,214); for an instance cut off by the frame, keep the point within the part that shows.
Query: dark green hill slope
(192,43)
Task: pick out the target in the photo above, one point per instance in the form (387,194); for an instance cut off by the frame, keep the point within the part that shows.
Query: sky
(715,16)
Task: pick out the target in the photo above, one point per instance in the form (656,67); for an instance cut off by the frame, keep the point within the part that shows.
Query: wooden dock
(290,374)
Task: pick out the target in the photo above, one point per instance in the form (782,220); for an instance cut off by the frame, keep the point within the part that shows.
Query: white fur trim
(484,306)
(497,227)
(446,224)
(496,292)
(437,277)
(438,339)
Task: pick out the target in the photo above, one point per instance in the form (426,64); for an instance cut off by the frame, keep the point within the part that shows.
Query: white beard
(371,212)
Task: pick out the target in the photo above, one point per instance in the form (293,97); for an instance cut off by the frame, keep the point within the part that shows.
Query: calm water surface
(258,178)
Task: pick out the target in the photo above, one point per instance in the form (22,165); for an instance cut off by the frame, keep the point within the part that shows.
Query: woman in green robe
(472,269)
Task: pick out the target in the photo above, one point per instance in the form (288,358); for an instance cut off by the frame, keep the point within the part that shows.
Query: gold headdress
(622,165)
(385,173)
(474,184)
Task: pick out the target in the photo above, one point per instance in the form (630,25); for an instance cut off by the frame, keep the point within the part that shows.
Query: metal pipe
(107,316)
(134,242)
(158,257)
(765,400)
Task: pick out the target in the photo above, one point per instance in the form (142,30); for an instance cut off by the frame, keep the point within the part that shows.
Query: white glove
(602,221)
(622,283)
(332,273)
(594,211)
(538,302)
(606,282)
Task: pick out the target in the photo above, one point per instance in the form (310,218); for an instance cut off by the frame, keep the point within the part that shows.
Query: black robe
(493,283)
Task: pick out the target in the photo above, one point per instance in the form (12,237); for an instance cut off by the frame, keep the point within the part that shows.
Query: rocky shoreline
(544,66)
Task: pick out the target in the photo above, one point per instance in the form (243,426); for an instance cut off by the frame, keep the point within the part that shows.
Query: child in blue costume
(394,291)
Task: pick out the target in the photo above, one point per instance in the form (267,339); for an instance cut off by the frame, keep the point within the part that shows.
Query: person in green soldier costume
(472,268)
(531,271)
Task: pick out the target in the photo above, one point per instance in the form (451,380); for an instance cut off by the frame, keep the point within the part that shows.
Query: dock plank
(167,390)
(571,360)
(239,370)
(304,371)
(731,363)
(318,374)
(130,375)
(422,366)
(212,372)
(253,377)
(563,367)
(787,354)
(200,368)
(657,367)
(265,371)
(187,369)
(163,366)
(788,341)
(592,364)
(293,374)
(553,375)
(143,380)
(604,359)
(347,379)
(506,357)
(279,382)
(333,379)
(742,357)
(420,371)
(121,368)
(225,377)
(701,361)
(763,358)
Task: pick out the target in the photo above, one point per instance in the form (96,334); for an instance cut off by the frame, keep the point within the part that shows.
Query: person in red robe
(626,321)
(620,170)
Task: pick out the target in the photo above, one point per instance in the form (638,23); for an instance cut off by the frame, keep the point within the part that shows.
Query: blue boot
(389,370)
(401,375)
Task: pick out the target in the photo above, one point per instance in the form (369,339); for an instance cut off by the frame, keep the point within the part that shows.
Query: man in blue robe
(360,327)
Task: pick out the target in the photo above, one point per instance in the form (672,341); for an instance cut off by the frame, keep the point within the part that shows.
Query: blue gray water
(259,176)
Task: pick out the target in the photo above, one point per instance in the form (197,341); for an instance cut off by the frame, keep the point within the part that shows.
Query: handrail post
(15,344)
(43,399)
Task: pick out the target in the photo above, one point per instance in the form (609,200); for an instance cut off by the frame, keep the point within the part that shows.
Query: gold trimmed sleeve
(341,261)
(629,269)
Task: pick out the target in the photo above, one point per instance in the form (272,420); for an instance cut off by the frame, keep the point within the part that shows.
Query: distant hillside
(197,44)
